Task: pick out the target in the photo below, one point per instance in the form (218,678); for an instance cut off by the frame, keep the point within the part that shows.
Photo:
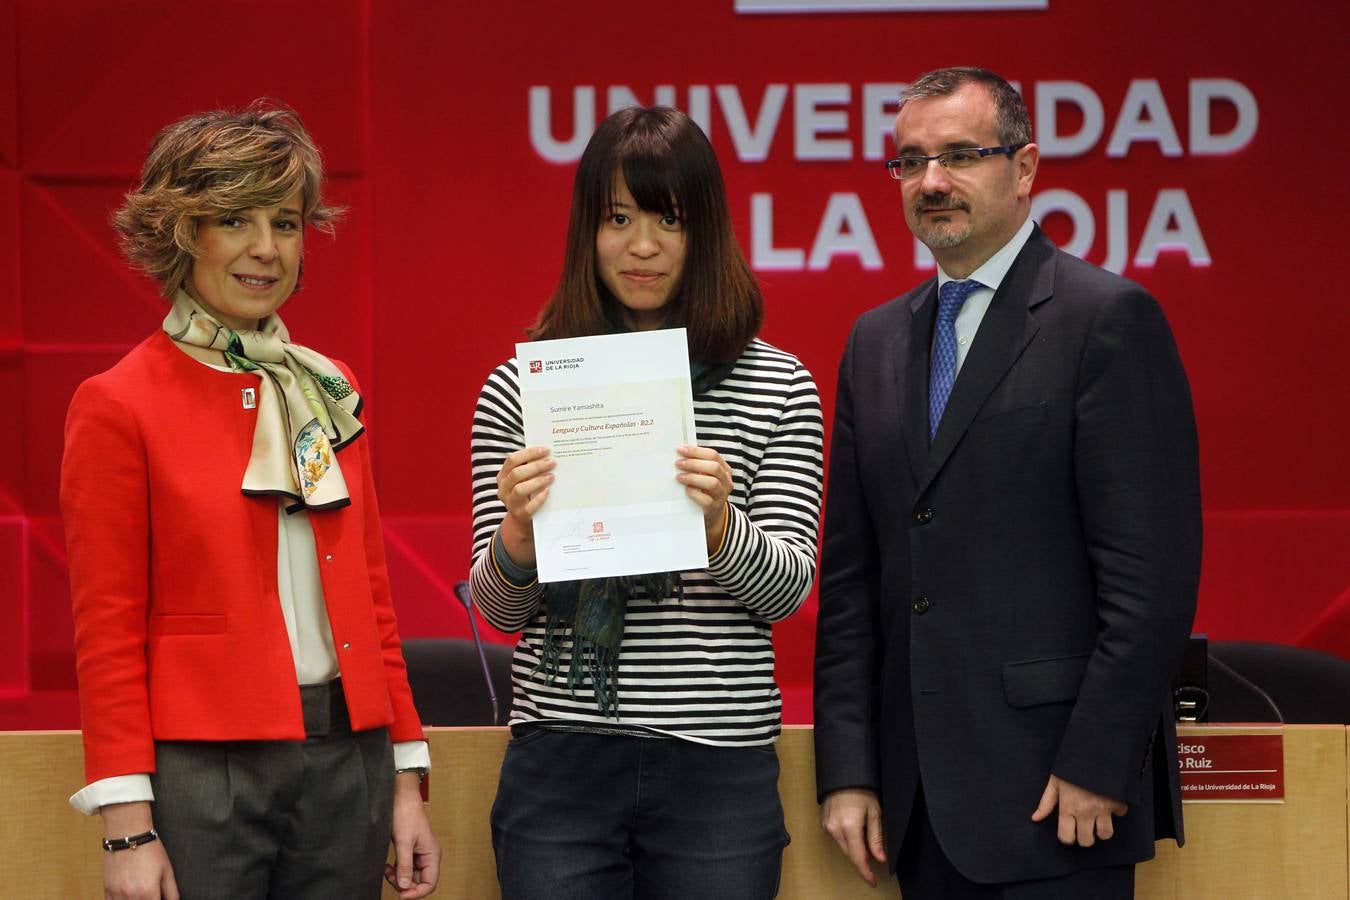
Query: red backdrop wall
(1185,144)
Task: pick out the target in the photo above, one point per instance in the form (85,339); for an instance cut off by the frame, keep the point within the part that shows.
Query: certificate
(612,409)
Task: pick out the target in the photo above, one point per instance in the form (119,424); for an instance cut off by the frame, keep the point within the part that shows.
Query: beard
(940,235)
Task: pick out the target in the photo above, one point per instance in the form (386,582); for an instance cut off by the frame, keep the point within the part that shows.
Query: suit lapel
(1005,331)
(911,355)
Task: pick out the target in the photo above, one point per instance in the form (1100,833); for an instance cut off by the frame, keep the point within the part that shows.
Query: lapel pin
(250,398)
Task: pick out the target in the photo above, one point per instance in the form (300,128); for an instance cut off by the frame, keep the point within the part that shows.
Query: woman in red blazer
(248,726)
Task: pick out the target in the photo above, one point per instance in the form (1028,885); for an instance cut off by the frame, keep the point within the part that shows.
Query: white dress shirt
(991,275)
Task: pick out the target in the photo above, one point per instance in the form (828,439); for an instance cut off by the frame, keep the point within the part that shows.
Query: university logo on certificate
(612,409)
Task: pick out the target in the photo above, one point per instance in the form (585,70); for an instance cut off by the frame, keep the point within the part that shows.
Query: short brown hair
(212,163)
(1014,124)
(670,168)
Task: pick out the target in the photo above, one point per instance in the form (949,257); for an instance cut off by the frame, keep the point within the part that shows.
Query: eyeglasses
(903,167)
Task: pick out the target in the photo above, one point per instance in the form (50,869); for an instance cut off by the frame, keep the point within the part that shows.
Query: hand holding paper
(522,486)
(612,411)
(708,481)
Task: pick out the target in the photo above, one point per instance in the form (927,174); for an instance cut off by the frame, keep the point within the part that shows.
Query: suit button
(346,646)
(328,557)
(924,516)
(921,606)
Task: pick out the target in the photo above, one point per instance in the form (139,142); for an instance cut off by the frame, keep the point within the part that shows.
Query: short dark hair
(1014,124)
(670,168)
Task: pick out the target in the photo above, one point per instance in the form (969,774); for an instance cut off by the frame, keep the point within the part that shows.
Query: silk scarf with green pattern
(306,408)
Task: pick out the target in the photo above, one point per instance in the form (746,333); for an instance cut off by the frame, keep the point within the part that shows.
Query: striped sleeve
(498,431)
(768,559)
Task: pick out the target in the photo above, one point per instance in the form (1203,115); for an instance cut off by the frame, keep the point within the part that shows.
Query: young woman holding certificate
(642,758)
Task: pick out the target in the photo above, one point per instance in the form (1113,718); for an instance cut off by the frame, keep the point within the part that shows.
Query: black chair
(447,683)
(1250,681)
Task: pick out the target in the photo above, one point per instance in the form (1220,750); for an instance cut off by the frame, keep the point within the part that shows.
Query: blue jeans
(599,816)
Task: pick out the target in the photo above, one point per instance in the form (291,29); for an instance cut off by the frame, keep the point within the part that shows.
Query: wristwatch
(130,842)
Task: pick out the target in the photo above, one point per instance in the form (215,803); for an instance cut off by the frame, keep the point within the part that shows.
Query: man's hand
(417,857)
(1083,816)
(852,817)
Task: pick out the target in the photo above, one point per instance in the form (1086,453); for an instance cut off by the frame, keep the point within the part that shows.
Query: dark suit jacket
(1013,601)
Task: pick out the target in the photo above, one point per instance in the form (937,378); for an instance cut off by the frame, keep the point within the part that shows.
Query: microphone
(1250,685)
(465,596)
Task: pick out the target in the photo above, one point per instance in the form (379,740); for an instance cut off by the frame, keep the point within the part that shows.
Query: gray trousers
(279,819)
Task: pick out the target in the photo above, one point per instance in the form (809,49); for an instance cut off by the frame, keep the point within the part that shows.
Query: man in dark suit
(1012,542)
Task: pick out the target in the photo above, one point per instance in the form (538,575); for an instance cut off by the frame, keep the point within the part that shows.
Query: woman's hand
(138,873)
(141,873)
(522,486)
(417,856)
(708,482)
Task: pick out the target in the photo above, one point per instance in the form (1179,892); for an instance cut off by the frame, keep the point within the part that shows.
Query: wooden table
(1294,849)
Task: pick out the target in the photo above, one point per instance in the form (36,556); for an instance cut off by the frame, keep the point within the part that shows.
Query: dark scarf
(591,611)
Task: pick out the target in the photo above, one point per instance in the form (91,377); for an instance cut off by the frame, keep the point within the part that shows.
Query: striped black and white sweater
(699,667)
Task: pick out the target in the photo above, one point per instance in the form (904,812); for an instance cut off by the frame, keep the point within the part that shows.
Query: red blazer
(178,627)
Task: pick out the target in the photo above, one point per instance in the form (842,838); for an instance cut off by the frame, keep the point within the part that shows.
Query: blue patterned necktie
(942,368)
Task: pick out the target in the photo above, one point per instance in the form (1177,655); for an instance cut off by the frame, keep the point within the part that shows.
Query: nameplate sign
(1247,768)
